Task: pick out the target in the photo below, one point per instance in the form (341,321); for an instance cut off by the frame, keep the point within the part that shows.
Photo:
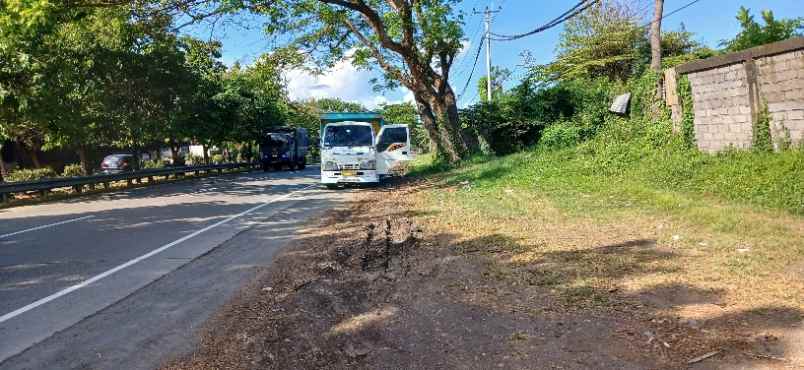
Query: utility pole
(487,20)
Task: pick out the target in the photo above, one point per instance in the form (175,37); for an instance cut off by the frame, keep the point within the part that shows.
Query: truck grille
(354,166)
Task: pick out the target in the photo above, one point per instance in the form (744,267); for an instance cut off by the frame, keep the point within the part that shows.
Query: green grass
(730,222)
(624,171)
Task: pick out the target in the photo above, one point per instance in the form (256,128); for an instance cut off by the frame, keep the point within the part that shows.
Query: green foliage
(637,163)
(604,41)
(762,141)
(31,174)
(81,77)
(337,105)
(754,34)
(499,76)
(560,135)
(688,119)
(72,170)
(152,164)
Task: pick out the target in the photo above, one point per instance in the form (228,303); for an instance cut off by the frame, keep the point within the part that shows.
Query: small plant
(688,115)
(193,160)
(31,174)
(72,170)
(783,141)
(153,164)
(217,159)
(560,135)
(762,141)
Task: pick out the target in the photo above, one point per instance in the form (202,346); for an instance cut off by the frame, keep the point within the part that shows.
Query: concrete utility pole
(487,20)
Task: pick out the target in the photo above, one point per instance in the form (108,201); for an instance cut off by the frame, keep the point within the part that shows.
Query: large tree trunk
(440,118)
(3,170)
(431,126)
(82,157)
(33,152)
(174,153)
(656,44)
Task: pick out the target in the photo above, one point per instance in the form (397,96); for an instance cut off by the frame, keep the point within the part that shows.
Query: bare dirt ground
(371,286)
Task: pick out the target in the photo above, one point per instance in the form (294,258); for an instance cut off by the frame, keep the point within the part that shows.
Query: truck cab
(360,152)
(284,147)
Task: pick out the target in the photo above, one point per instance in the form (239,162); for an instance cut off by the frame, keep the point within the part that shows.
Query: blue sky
(710,20)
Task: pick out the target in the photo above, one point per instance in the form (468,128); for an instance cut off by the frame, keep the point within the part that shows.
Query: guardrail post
(43,193)
(78,188)
(220,171)
(106,186)
(4,197)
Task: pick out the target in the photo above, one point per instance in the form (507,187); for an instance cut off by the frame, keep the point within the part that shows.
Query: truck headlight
(330,166)
(368,165)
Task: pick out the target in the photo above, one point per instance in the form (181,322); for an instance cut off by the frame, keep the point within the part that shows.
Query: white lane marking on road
(45,226)
(106,273)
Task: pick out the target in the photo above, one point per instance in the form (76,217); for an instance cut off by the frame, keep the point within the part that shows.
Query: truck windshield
(275,142)
(348,136)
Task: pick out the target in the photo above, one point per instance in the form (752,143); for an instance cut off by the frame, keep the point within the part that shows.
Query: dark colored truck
(284,147)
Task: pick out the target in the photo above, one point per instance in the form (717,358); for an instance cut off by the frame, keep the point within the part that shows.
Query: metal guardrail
(78,183)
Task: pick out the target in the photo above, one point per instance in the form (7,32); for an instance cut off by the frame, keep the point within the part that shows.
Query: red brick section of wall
(729,91)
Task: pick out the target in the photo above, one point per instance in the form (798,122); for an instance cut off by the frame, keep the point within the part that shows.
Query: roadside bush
(31,174)
(560,135)
(153,164)
(217,159)
(72,170)
(193,160)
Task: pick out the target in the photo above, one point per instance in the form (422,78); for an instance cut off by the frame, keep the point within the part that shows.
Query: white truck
(358,148)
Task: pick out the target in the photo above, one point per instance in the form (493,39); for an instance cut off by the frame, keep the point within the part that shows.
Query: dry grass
(737,256)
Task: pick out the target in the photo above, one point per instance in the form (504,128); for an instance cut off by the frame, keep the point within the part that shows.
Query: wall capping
(775,48)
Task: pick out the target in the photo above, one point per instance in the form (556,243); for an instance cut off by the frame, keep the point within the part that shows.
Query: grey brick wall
(730,90)
(781,86)
(722,108)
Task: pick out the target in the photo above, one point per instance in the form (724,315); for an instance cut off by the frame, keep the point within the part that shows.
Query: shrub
(217,158)
(31,174)
(193,160)
(560,135)
(72,170)
(761,131)
(152,164)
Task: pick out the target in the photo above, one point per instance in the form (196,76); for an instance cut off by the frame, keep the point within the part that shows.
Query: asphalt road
(124,280)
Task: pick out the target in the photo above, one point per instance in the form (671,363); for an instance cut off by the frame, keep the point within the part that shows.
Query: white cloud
(342,81)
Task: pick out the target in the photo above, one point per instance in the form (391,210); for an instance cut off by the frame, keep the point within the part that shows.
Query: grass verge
(633,212)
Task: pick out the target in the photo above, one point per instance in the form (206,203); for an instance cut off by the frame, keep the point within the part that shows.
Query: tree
(604,41)
(656,37)
(337,105)
(754,34)
(656,48)
(413,43)
(498,77)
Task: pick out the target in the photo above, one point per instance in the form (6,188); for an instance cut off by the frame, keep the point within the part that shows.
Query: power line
(462,66)
(469,80)
(685,6)
(575,10)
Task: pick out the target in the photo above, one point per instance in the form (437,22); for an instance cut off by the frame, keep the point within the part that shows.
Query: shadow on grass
(690,319)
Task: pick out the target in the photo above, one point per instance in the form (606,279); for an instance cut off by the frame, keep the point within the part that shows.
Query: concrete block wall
(729,92)
(722,108)
(781,86)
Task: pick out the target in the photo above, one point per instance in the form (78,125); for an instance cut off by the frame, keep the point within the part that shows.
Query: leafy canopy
(754,34)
